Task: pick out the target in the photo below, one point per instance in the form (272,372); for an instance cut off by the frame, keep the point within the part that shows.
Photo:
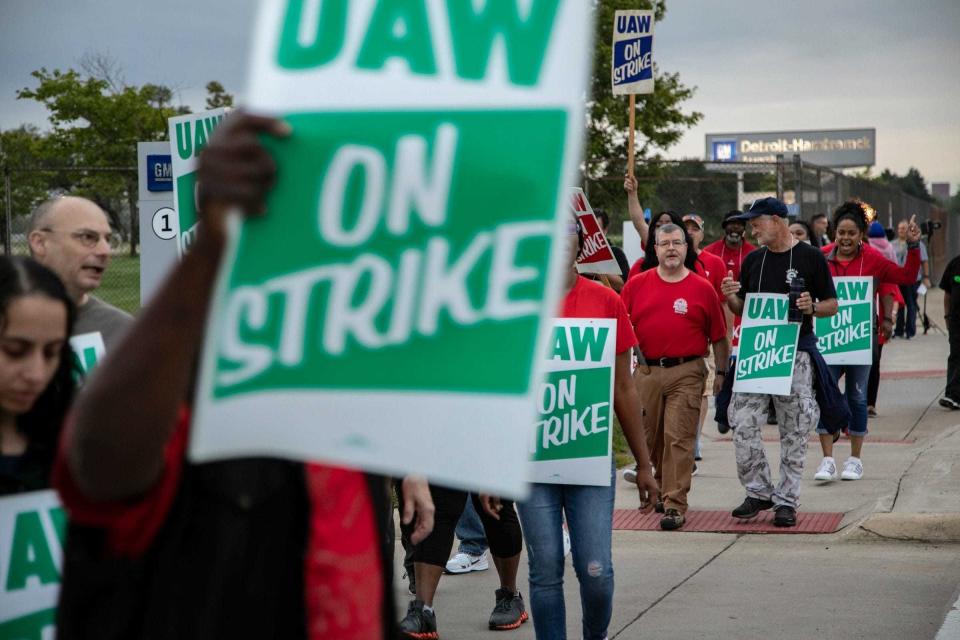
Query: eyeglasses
(664,244)
(89,238)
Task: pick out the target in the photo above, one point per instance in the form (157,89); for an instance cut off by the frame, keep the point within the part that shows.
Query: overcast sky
(758,65)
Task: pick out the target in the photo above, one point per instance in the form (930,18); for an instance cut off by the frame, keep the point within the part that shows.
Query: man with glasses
(676,315)
(72,237)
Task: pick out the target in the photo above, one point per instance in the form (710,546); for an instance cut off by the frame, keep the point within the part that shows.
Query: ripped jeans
(589,513)
(856,379)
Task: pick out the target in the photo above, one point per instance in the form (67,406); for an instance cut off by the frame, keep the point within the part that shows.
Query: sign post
(847,336)
(189,134)
(572,441)
(768,345)
(389,309)
(632,67)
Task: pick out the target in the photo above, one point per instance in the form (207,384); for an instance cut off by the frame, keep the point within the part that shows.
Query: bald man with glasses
(72,237)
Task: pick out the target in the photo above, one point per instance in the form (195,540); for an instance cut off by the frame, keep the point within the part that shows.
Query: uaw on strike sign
(574,427)
(847,336)
(388,310)
(632,65)
(596,256)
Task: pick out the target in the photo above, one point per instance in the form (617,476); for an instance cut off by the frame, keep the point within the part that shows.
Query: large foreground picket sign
(768,345)
(32,527)
(389,309)
(847,336)
(574,431)
(596,256)
(189,134)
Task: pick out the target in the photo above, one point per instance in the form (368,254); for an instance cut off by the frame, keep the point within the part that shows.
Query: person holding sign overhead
(773,269)
(851,259)
(160,546)
(676,316)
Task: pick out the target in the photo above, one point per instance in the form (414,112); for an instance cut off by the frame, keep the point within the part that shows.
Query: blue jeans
(473,540)
(589,513)
(855,391)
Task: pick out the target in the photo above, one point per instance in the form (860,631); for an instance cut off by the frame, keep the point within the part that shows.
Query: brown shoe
(671,520)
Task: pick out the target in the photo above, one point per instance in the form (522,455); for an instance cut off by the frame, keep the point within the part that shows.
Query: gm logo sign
(159,173)
(724,150)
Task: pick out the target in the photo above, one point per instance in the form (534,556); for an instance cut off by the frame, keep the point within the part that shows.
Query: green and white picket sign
(574,427)
(847,336)
(388,310)
(88,350)
(189,134)
(768,345)
(32,528)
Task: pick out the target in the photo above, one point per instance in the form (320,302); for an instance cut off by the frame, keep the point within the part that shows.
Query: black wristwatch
(721,372)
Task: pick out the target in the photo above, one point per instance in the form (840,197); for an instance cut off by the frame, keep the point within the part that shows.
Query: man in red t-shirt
(676,316)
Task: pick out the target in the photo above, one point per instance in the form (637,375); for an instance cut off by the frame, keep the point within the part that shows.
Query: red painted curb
(907,375)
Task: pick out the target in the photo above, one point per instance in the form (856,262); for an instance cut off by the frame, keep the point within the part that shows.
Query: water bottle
(797,286)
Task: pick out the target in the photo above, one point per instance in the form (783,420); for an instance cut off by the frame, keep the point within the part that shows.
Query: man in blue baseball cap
(771,269)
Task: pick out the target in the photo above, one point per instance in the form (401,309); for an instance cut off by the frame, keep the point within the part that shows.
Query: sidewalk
(892,570)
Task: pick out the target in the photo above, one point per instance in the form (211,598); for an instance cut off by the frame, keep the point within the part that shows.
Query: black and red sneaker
(419,623)
(509,612)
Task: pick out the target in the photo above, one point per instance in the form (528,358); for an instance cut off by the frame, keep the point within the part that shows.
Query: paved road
(891,571)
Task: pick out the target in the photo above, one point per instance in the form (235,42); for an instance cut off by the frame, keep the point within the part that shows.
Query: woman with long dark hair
(36,380)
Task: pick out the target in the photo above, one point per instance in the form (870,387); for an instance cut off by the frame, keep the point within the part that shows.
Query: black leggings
(503,535)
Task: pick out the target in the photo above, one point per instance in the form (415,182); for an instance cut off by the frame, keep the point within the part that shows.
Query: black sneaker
(658,507)
(751,507)
(419,623)
(949,403)
(671,520)
(785,516)
(509,612)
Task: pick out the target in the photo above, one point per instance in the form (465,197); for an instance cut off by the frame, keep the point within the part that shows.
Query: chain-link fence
(714,188)
(113,188)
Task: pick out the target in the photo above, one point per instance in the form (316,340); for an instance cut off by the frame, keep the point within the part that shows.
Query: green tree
(913,183)
(96,122)
(217,96)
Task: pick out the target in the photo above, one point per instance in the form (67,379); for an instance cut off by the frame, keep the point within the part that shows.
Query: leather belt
(666,363)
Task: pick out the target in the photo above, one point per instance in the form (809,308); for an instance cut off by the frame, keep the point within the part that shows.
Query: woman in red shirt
(851,255)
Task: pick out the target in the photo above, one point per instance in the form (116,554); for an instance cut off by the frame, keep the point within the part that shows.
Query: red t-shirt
(587,299)
(673,319)
(731,258)
(343,581)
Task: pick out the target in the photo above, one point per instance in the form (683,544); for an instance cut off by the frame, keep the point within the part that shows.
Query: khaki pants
(671,407)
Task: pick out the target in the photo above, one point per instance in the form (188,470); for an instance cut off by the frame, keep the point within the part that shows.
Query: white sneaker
(630,474)
(566,541)
(827,470)
(852,469)
(465,563)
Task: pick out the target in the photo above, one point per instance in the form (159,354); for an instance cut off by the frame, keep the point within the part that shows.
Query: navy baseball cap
(764,207)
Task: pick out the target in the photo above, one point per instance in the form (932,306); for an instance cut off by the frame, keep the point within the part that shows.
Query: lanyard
(763,260)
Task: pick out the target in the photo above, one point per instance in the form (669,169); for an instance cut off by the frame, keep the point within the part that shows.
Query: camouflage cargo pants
(797,416)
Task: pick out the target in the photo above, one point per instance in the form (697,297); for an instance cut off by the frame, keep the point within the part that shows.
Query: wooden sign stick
(632,113)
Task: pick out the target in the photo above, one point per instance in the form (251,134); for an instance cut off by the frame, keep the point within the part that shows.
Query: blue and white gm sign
(632,68)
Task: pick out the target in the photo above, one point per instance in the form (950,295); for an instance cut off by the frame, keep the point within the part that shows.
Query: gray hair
(38,217)
(669,228)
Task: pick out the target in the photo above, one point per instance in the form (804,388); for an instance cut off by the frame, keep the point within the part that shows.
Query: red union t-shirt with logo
(673,319)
